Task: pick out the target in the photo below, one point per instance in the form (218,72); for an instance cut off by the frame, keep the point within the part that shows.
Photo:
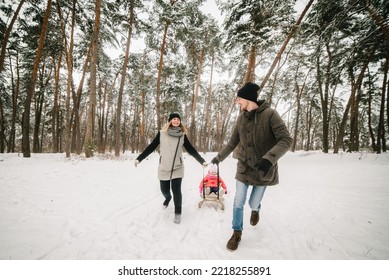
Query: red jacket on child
(210,181)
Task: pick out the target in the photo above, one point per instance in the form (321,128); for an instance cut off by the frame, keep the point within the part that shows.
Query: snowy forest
(102,76)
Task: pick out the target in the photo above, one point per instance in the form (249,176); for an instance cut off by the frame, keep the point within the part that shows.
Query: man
(263,139)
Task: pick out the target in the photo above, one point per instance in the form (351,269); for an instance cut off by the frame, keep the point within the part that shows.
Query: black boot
(254,218)
(233,243)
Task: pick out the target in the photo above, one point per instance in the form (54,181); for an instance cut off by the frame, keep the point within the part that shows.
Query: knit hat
(174,115)
(249,92)
(212,169)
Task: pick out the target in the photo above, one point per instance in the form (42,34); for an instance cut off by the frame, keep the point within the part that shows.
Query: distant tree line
(62,90)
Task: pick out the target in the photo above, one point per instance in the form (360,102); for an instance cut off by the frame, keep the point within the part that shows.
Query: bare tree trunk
(381,124)
(31,86)
(89,142)
(6,35)
(308,120)
(226,115)
(371,130)
(2,128)
(38,111)
(54,119)
(160,66)
(299,93)
(143,116)
(102,102)
(207,123)
(250,71)
(15,97)
(324,95)
(142,135)
(283,47)
(354,116)
(75,119)
(354,88)
(196,93)
(69,63)
(122,81)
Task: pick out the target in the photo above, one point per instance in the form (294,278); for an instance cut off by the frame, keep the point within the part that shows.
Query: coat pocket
(241,168)
(179,162)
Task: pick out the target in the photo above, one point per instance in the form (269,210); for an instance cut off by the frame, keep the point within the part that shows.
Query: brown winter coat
(260,133)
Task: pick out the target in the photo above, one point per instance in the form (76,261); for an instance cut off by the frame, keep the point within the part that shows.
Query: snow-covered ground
(326,207)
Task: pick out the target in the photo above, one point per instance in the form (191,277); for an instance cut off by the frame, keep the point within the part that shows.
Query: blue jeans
(240,199)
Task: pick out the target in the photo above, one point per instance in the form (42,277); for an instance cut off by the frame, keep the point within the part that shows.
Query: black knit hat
(249,92)
(174,115)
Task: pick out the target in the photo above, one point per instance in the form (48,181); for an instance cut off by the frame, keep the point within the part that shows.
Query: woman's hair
(169,124)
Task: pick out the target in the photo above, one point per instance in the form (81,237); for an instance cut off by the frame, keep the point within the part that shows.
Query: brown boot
(233,243)
(254,218)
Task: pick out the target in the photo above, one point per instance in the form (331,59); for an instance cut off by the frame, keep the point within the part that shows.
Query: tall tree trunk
(309,122)
(2,128)
(103,102)
(283,47)
(160,67)
(15,97)
(142,133)
(38,115)
(69,60)
(387,107)
(31,86)
(354,89)
(381,123)
(195,95)
(54,119)
(369,115)
(75,119)
(108,140)
(69,64)
(159,77)
(122,82)
(324,94)
(299,93)
(354,118)
(89,142)
(6,35)
(250,71)
(40,97)
(207,123)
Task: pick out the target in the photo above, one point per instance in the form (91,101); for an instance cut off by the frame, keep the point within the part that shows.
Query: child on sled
(209,183)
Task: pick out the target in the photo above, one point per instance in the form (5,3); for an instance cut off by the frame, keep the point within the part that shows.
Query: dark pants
(177,195)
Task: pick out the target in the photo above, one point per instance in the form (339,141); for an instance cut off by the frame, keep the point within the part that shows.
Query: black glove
(263,165)
(214,161)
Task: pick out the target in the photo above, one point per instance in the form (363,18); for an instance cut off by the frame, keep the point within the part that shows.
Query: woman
(172,138)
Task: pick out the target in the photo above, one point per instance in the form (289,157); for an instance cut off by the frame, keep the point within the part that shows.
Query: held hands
(136,162)
(205,164)
(263,165)
(214,161)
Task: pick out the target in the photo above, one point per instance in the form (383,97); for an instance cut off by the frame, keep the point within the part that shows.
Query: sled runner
(212,188)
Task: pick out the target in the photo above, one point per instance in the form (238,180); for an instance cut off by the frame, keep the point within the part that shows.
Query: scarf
(175,131)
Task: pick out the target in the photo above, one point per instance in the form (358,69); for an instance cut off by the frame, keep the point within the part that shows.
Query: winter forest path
(325,207)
